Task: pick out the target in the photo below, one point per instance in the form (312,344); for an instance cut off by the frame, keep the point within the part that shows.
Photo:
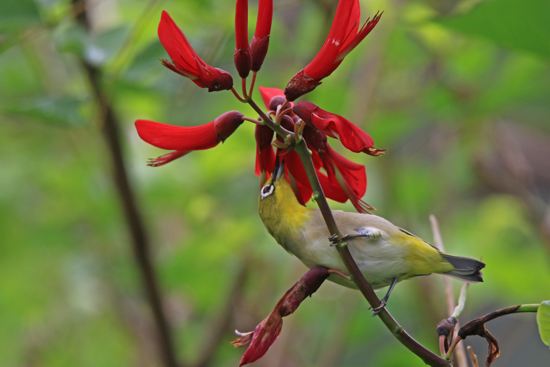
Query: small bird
(384,253)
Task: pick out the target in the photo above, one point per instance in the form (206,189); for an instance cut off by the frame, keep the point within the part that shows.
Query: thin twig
(473,357)
(449,294)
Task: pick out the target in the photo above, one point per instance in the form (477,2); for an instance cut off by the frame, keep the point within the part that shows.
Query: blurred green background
(458,91)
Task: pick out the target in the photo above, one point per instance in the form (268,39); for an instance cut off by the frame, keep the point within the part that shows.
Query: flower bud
(276,102)
(227,123)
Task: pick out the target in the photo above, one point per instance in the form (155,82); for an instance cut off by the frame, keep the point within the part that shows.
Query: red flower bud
(260,41)
(268,94)
(265,334)
(227,123)
(185,139)
(185,60)
(343,37)
(242,49)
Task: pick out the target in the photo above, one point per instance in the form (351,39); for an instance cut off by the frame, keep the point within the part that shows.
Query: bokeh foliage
(458,91)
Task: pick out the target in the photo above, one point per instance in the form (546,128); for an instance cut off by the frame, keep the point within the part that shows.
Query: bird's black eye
(266,191)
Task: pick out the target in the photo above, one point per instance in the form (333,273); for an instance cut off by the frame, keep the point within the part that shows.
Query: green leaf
(543,320)
(509,23)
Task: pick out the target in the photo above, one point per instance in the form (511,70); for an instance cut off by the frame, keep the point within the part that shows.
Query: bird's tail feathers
(465,268)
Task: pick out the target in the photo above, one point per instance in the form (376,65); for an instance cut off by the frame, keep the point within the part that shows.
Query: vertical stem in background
(460,353)
(137,231)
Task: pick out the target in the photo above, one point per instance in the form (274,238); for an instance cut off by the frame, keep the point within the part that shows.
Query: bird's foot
(336,238)
(376,310)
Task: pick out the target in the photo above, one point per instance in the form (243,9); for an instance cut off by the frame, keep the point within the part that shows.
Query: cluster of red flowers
(340,178)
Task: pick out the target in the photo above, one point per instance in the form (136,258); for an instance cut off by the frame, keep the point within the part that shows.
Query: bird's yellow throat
(281,212)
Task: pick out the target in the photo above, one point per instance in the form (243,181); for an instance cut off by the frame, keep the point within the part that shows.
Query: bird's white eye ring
(266,191)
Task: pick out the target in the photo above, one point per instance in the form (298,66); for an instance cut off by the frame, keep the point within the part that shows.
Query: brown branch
(136,227)
(477,327)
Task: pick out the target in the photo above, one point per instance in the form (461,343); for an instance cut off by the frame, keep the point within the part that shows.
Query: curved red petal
(293,164)
(265,161)
(353,41)
(167,158)
(353,24)
(264,335)
(351,136)
(181,138)
(331,188)
(352,179)
(353,173)
(177,45)
(318,68)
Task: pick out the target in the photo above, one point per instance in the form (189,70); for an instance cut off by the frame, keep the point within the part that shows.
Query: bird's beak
(279,169)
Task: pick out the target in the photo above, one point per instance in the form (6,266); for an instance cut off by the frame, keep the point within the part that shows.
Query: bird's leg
(371,233)
(384,300)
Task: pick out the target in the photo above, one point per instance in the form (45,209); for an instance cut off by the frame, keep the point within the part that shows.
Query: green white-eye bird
(384,253)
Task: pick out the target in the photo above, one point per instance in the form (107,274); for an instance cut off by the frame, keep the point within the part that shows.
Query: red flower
(184,140)
(343,37)
(337,127)
(265,156)
(242,48)
(260,41)
(265,334)
(251,57)
(345,180)
(185,60)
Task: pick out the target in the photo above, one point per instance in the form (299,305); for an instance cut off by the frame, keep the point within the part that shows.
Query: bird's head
(272,188)
(278,207)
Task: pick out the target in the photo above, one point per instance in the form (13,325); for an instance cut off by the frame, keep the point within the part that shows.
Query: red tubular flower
(242,49)
(265,334)
(335,126)
(185,60)
(265,156)
(260,41)
(184,140)
(346,179)
(343,37)
(295,172)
